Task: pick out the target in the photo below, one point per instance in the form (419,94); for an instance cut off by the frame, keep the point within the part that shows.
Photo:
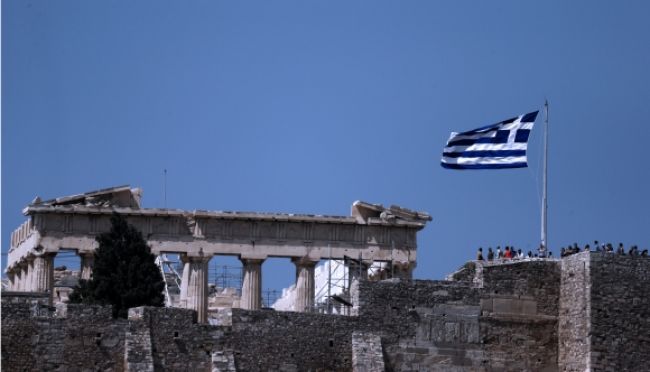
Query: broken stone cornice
(201,214)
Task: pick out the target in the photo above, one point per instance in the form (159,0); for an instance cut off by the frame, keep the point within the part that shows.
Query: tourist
(479,254)
(562,252)
(597,246)
(508,254)
(530,254)
(520,254)
(644,253)
(620,250)
(490,255)
(499,253)
(587,249)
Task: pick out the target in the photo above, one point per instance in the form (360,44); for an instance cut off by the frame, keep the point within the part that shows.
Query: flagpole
(543,249)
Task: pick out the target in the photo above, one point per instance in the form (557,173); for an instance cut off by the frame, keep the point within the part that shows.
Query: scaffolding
(171,277)
(269,296)
(225,276)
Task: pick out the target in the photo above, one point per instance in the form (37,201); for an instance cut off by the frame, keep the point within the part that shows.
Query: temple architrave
(372,233)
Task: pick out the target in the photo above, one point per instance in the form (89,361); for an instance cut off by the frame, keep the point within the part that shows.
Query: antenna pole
(165,187)
(329,280)
(543,248)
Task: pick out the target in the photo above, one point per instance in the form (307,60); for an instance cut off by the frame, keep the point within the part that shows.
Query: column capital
(194,257)
(251,261)
(46,255)
(304,261)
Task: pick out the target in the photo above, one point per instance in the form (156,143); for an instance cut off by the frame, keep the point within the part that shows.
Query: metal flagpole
(543,248)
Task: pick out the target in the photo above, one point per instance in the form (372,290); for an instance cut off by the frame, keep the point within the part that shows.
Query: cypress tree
(124,275)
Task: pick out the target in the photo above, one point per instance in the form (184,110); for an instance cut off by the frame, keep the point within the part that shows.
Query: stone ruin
(371,234)
(588,311)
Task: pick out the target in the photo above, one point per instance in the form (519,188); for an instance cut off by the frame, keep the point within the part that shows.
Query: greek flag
(501,145)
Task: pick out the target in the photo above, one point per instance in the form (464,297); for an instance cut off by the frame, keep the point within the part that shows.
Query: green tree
(124,275)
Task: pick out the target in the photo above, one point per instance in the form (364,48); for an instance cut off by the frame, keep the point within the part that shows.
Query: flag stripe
(487,160)
(483,154)
(487,146)
(484,166)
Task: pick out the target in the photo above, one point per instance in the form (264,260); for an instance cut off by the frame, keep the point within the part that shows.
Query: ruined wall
(620,312)
(177,342)
(519,323)
(367,353)
(276,341)
(508,324)
(538,281)
(588,311)
(36,337)
(574,313)
(424,325)
(519,343)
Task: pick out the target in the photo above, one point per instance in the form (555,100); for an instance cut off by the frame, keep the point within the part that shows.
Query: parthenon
(371,233)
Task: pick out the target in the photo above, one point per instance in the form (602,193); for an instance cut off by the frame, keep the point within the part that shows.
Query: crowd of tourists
(511,253)
(606,248)
(508,253)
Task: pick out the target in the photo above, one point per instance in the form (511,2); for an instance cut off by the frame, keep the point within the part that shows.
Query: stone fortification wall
(620,312)
(37,337)
(535,280)
(519,305)
(289,341)
(604,312)
(587,311)
(574,313)
(441,325)
(519,343)
(177,342)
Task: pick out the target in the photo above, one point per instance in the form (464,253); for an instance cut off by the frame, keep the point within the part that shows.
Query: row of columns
(34,274)
(194,284)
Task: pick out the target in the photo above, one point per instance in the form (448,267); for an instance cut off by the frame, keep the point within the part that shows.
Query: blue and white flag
(501,145)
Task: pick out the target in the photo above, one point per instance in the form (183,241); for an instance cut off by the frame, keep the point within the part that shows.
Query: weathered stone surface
(588,311)
(268,341)
(372,233)
(574,314)
(251,291)
(35,338)
(139,355)
(367,354)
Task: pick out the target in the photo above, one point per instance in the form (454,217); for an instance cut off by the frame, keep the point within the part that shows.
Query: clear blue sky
(307,106)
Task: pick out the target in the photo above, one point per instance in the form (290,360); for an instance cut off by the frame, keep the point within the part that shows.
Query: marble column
(251,291)
(30,274)
(87,262)
(11,276)
(305,290)
(24,276)
(18,279)
(194,286)
(43,274)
